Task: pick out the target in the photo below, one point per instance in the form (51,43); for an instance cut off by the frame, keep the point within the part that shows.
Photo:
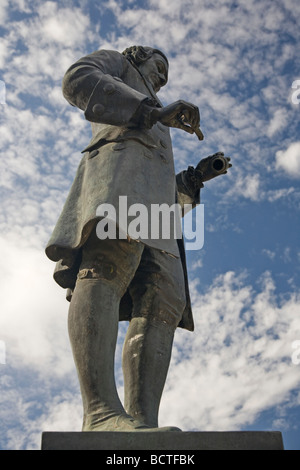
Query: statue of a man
(143,281)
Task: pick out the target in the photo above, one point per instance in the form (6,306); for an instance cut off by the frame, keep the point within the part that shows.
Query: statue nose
(162,78)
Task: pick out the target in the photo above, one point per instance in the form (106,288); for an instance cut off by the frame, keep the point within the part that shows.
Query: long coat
(120,160)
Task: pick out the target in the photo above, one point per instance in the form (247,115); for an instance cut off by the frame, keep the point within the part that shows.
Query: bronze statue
(107,280)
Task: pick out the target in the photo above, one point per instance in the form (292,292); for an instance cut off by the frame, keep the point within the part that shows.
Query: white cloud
(2,92)
(274,195)
(289,160)
(39,386)
(52,37)
(269,253)
(54,409)
(2,352)
(65,26)
(278,122)
(237,363)
(3,11)
(248,187)
(33,310)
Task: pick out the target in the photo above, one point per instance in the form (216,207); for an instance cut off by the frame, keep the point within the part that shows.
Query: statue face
(155,70)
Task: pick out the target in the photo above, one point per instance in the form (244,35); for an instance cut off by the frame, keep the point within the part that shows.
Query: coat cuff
(113,102)
(188,187)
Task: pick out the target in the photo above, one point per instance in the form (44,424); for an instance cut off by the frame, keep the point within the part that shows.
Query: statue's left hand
(212,166)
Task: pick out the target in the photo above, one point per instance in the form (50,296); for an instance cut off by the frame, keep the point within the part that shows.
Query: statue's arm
(190,181)
(188,189)
(94,84)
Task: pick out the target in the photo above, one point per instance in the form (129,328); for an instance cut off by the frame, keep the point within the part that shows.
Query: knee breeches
(154,279)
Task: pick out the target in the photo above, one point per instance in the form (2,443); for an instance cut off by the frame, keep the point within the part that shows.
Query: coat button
(98,109)
(94,153)
(120,145)
(109,88)
(163,144)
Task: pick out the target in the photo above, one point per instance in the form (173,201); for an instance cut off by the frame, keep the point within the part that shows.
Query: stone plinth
(170,441)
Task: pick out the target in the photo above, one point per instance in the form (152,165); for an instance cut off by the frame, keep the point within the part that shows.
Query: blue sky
(237,61)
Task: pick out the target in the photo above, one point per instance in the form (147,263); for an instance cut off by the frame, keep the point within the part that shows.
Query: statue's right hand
(181,115)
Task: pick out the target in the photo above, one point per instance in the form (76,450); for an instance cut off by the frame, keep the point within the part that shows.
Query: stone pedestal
(162,441)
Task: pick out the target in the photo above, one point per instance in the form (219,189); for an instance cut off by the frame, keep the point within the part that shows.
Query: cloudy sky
(239,62)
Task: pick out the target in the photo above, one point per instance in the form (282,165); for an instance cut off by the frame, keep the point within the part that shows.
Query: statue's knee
(100,276)
(106,271)
(172,314)
(169,309)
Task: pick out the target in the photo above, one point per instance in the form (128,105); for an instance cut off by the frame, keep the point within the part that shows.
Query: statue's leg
(159,299)
(93,326)
(105,272)
(146,357)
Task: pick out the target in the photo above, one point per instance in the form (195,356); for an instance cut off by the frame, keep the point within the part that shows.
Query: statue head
(152,63)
